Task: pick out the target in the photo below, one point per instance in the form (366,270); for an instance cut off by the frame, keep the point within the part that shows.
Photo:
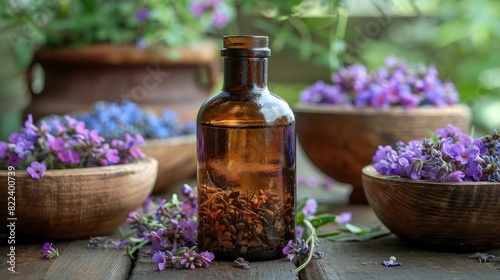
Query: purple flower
(13,159)
(142,14)
(330,183)
(136,152)
(462,154)
(300,248)
(189,234)
(189,207)
(343,217)
(160,260)
(312,182)
(310,207)
(392,263)
(112,156)
(220,18)
(393,84)
(68,156)
(320,92)
(3,149)
(206,258)
(190,259)
(474,170)
(14,137)
(186,190)
(379,97)
(36,170)
(241,263)
(298,232)
(289,250)
(197,8)
(141,44)
(352,79)
(24,146)
(55,144)
(133,218)
(455,176)
(449,131)
(119,244)
(48,251)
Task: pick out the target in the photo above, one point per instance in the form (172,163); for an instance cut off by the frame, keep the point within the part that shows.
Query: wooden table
(343,260)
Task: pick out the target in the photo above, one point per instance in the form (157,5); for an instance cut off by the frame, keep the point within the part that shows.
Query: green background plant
(460,38)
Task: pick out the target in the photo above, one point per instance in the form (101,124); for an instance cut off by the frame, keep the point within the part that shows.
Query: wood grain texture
(461,216)
(29,261)
(341,141)
(176,160)
(93,264)
(277,269)
(123,54)
(363,260)
(78,203)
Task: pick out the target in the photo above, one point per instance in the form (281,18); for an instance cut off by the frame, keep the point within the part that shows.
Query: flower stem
(312,238)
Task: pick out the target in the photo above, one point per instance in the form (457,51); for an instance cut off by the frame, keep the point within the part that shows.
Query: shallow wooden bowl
(462,216)
(76,203)
(176,159)
(340,141)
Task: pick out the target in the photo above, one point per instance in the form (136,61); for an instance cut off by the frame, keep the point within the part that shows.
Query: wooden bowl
(340,141)
(176,159)
(76,203)
(460,217)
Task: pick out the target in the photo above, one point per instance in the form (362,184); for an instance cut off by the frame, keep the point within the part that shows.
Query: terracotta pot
(462,216)
(76,78)
(76,203)
(176,160)
(340,141)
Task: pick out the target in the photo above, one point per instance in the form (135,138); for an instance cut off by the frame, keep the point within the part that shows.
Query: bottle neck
(245,73)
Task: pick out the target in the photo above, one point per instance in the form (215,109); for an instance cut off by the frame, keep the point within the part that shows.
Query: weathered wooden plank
(276,269)
(77,262)
(363,260)
(29,263)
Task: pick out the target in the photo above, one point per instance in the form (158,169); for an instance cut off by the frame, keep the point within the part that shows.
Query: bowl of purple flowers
(64,181)
(340,125)
(441,192)
(167,138)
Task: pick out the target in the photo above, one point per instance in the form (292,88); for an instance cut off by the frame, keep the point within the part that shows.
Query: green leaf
(302,203)
(328,233)
(300,218)
(129,252)
(136,240)
(357,229)
(432,136)
(365,237)
(322,219)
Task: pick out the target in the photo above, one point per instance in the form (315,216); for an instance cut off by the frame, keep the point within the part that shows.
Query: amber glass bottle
(246,160)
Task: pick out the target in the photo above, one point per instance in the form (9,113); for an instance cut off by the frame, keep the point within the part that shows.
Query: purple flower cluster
(167,225)
(184,257)
(300,248)
(394,84)
(451,156)
(62,144)
(216,9)
(114,120)
(315,182)
(48,251)
(392,262)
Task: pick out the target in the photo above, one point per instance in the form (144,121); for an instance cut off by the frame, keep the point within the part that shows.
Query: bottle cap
(246,46)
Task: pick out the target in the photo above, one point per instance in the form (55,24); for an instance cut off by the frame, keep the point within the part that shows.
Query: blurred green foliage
(461,38)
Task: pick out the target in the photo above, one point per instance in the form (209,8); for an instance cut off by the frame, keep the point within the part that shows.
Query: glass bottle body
(246,170)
